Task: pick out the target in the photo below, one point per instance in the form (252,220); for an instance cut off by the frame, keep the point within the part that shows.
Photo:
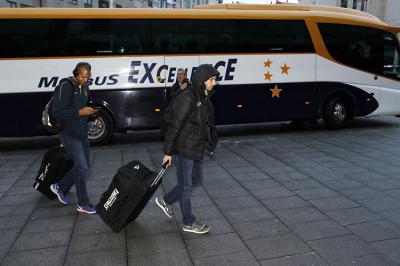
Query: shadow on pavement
(245,130)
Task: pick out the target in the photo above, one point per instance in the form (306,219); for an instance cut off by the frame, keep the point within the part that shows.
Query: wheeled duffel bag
(53,168)
(130,190)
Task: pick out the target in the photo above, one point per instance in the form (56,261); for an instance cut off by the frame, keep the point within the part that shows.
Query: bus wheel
(100,128)
(335,113)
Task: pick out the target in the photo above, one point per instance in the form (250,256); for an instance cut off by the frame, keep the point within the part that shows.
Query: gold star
(285,69)
(267,76)
(275,91)
(268,63)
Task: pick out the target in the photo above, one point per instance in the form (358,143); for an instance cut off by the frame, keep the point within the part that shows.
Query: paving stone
(259,184)
(227,192)
(363,193)
(3,251)
(345,183)
(211,245)
(390,248)
(247,214)
(269,193)
(176,258)
(39,257)
(278,246)
(106,257)
(8,236)
(316,193)
(375,231)
(282,177)
(41,240)
(333,203)
(301,184)
(393,192)
(310,258)
(260,229)
(318,229)
(7,222)
(147,228)
(353,216)
(285,203)
(381,204)
(235,259)
(53,211)
(341,248)
(372,260)
(300,215)
(384,184)
(19,199)
(96,242)
(393,216)
(151,245)
(327,176)
(237,202)
(49,224)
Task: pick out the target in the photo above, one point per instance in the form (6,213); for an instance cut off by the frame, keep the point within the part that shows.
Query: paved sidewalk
(302,198)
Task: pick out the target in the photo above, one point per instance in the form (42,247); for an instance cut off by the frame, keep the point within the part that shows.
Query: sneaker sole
(196,232)
(83,211)
(162,208)
(59,198)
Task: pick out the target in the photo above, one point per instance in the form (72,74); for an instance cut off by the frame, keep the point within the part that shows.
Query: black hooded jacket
(191,127)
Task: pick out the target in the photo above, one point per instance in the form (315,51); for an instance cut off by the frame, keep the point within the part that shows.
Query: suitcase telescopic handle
(159,175)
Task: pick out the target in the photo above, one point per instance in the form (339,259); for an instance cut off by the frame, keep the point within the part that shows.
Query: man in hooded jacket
(191,131)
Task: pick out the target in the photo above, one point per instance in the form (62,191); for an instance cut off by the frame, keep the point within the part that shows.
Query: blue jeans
(78,151)
(189,174)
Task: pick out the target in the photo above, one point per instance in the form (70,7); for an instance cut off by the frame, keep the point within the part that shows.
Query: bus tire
(335,113)
(100,128)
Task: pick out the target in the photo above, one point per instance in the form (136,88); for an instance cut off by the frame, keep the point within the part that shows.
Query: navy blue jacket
(68,111)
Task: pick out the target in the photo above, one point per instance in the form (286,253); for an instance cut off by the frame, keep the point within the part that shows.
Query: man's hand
(167,159)
(86,111)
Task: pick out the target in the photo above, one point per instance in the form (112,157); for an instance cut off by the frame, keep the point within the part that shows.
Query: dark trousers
(78,151)
(189,174)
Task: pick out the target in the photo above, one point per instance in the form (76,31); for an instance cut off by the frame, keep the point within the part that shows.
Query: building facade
(386,10)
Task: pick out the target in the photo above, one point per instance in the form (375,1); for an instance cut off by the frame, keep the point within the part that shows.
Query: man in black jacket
(190,132)
(70,106)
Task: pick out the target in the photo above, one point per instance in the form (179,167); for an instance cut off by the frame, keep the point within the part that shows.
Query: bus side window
(391,60)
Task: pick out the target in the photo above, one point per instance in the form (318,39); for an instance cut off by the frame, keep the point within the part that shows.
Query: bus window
(24,38)
(356,46)
(391,61)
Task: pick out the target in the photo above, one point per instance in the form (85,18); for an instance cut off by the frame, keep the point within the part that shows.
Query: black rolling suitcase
(130,190)
(54,166)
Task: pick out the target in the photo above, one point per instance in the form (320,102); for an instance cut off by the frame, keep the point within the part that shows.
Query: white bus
(277,63)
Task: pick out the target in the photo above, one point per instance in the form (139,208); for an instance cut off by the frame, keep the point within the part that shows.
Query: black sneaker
(197,228)
(167,209)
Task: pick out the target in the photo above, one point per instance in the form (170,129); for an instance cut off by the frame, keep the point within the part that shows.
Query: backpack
(168,113)
(49,122)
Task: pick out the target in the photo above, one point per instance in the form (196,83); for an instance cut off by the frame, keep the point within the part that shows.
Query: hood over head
(202,74)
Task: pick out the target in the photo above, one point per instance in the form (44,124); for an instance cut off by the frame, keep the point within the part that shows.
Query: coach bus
(277,63)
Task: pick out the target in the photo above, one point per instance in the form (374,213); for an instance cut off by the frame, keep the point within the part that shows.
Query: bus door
(173,63)
(390,82)
(146,98)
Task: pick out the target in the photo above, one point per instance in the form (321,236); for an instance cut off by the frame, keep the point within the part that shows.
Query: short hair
(80,66)
(181,69)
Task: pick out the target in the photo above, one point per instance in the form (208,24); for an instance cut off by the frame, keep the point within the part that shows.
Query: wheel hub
(339,112)
(96,128)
